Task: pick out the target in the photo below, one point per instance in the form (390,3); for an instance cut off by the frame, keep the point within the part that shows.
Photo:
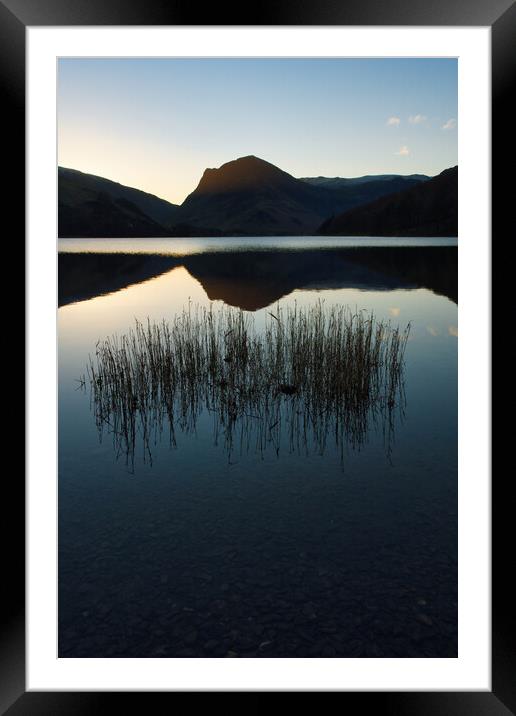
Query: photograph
(257,357)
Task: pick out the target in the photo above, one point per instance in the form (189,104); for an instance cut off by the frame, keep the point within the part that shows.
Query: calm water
(195,550)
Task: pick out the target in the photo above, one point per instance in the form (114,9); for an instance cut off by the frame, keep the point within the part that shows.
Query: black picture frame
(15,17)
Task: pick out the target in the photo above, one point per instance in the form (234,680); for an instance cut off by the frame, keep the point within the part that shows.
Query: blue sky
(156,124)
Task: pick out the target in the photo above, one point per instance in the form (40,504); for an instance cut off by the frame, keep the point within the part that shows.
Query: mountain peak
(240,174)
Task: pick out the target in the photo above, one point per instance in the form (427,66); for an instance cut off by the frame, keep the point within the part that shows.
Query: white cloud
(404,151)
(393,122)
(450,124)
(417,118)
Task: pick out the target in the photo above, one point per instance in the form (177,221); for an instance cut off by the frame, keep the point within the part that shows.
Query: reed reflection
(311,375)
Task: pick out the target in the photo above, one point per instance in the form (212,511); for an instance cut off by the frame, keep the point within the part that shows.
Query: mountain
(91,206)
(249,197)
(245,197)
(350,193)
(427,209)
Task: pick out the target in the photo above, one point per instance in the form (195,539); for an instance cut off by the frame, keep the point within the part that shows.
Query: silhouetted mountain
(428,209)
(90,206)
(255,279)
(245,197)
(251,197)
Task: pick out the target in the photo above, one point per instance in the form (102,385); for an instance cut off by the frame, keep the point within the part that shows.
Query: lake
(285,547)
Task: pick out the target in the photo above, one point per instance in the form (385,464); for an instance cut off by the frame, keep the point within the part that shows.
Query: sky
(157,124)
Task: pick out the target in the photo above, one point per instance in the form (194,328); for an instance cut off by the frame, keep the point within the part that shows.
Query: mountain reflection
(251,280)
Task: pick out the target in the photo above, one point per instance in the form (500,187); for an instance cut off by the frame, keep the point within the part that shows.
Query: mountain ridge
(247,196)
(337,182)
(250,196)
(428,209)
(90,205)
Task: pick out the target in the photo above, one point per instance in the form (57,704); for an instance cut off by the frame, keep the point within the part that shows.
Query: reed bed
(310,373)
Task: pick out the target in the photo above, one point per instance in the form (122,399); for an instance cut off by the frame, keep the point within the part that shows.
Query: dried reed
(310,373)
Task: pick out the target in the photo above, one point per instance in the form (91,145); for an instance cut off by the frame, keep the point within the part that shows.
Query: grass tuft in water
(311,372)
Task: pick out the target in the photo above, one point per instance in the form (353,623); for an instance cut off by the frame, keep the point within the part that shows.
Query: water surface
(273,553)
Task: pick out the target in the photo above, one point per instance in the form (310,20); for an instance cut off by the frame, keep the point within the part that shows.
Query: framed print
(258,430)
